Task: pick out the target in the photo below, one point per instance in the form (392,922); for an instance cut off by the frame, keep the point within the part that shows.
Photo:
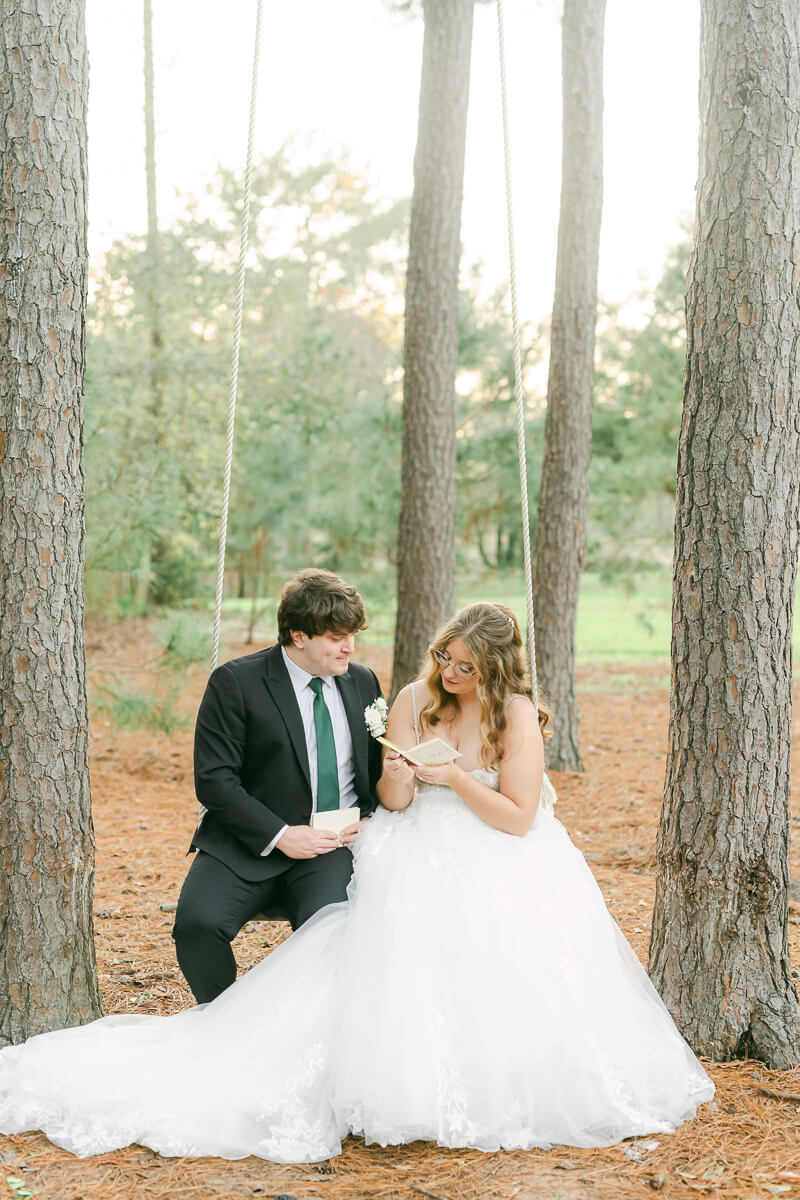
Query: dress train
(474,991)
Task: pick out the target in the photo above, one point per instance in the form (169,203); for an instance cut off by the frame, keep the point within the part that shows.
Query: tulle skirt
(474,991)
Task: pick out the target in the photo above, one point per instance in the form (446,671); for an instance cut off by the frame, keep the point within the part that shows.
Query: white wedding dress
(474,991)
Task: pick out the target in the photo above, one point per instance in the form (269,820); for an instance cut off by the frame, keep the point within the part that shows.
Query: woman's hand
(395,787)
(398,768)
(446,774)
(349,835)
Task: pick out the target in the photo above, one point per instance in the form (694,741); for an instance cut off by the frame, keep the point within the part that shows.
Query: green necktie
(327,766)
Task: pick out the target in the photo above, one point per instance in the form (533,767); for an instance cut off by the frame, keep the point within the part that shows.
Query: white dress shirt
(301,679)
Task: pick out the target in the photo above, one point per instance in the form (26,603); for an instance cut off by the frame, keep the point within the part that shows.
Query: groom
(280,734)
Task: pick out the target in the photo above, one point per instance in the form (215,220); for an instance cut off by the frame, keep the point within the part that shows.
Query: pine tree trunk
(47,963)
(153,243)
(426,536)
(718,950)
(560,524)
(152,570)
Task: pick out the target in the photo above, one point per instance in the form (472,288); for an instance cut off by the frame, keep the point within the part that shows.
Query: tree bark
(152,568)
(426,535)
(47,962)
(718,949)
(153,243)
(561,519)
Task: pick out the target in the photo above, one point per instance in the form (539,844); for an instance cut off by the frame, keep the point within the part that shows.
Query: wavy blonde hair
(493,639)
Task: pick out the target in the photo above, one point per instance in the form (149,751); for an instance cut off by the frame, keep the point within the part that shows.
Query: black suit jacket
(251,764)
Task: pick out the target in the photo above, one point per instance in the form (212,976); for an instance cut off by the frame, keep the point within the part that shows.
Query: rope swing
(519,392)
(237,337)
(518,383)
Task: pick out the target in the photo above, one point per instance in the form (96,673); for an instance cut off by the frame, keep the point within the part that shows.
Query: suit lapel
(351,698)
(280,688)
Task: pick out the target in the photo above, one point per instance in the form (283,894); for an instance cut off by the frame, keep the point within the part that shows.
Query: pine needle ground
(745,1144)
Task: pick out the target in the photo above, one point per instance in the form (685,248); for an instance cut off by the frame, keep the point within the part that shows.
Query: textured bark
(153,243)
(560,524)
(426,536)
(150,573)
(47,964)
(718,950)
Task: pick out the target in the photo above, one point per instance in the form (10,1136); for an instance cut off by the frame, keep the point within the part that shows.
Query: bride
(473,991)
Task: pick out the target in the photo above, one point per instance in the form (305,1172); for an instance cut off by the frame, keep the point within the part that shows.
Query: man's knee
(325,884)
(200,917)
(198,925)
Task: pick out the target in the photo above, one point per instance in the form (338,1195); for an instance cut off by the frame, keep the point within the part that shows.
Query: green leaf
(17,1185)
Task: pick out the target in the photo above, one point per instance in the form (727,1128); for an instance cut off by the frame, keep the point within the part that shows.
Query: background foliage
(316,469)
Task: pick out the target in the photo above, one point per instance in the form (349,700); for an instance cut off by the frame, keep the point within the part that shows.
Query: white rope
(237,337)
(518,385)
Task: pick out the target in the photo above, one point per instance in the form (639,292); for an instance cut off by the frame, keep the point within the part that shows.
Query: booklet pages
(427,754)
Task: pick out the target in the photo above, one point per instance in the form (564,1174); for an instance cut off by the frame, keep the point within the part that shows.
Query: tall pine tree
(47,963)
(718,951)
(426,537)
(559,551)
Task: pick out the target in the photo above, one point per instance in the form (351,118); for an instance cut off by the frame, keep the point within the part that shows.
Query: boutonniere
(375,716)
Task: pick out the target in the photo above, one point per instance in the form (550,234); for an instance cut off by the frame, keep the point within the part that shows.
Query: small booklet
(425,754)
(335,819)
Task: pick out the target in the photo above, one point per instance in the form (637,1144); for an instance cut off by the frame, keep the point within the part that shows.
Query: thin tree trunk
(426,537)
(560,526)
(718,950)
(47,962)
(150,581)
(153,244)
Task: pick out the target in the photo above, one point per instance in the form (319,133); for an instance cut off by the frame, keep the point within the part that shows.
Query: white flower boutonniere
(375,716)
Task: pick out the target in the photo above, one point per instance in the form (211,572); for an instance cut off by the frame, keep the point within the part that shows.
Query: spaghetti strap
(414,705)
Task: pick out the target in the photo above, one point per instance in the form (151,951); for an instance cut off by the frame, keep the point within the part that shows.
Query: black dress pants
(215,903)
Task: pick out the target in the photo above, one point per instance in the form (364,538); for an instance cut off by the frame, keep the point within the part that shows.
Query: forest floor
(744,1144)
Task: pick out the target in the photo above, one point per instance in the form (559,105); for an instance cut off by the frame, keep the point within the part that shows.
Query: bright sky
(347,73)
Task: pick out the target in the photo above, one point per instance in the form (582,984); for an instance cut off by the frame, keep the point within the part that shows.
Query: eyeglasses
(445,660)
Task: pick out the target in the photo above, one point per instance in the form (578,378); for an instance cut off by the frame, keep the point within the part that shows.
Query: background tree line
(316,472)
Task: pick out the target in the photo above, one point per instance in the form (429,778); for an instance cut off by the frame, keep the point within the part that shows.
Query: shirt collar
(300,677)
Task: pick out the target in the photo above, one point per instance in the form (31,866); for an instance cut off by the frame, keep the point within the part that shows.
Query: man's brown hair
(317,601)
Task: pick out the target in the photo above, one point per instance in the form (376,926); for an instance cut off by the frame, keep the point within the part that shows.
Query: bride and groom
(467,985)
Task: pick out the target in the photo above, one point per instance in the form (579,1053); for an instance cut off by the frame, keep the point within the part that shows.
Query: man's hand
(350,834)
(301,841)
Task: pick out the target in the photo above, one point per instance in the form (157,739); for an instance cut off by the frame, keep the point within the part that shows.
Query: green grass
(129,708)
(185,639)
(615,626)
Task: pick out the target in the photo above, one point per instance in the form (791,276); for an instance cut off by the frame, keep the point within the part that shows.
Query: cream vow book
(425,754)
(335,819)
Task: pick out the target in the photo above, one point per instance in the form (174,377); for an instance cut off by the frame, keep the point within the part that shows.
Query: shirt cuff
(268,849)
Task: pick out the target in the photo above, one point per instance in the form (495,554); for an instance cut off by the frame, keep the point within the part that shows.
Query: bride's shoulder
(413,694)
(522,716)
